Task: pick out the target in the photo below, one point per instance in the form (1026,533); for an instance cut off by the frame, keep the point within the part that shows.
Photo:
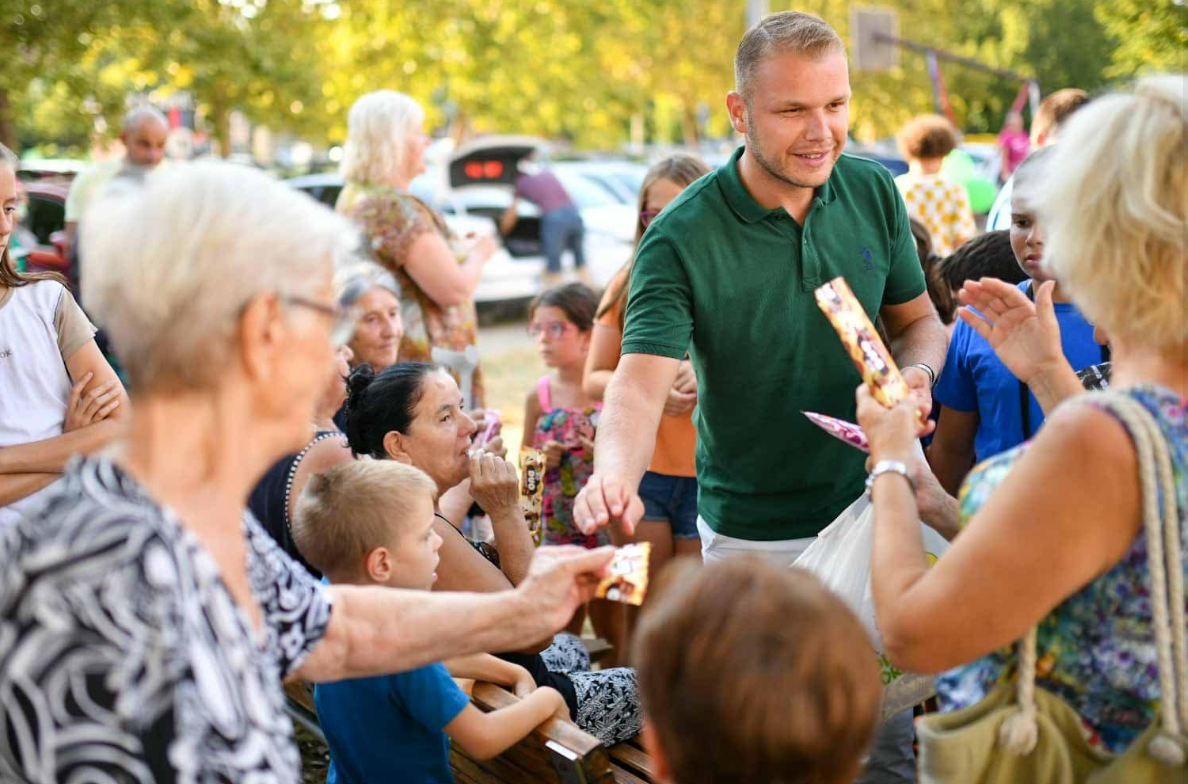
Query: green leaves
(572,69)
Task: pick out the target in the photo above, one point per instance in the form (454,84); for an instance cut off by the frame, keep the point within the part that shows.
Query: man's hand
(920,383)
(1024,334)
(493,483)
(607,499)
(95,406)
(561,579)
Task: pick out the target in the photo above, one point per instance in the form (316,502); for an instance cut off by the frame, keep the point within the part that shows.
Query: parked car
(44,222)
(620,179)
(504,279)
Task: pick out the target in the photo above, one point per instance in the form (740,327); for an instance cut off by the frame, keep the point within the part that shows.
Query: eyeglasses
(345,318)
(554,329)
(647,216)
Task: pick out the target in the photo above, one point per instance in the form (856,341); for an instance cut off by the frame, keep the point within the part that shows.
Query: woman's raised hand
(1024,334)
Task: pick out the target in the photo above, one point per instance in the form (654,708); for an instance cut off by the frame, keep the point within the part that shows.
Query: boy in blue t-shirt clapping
(985,410)
(370,522)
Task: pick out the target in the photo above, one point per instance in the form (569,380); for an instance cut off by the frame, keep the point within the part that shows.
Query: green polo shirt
(732,282)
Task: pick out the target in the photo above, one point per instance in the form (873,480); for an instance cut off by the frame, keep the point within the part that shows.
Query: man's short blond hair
(349,510)
(378,125)
(787,31)
(1115,206)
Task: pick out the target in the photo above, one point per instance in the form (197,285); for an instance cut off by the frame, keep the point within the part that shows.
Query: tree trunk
(7,129)
(689,123)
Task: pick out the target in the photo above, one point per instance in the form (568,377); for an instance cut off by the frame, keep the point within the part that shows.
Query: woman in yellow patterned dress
(437,271)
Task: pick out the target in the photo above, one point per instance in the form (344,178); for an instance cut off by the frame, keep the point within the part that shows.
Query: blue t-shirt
(974,379)
(390,727)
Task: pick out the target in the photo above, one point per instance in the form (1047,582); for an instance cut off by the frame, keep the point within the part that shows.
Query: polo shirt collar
(741,201)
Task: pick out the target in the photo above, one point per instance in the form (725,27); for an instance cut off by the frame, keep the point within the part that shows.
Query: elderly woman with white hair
(436,271)
(146,620)
(1054,534)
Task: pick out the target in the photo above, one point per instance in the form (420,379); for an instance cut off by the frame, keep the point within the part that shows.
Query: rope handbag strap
(1019,732)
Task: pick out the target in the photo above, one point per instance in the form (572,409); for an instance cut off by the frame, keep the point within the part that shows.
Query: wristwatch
(890,467)
(927,369)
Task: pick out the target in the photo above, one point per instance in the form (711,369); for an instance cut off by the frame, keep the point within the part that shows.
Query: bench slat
(628,756)
(624,776)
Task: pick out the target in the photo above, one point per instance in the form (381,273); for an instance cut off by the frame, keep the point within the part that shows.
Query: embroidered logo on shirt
(866,254)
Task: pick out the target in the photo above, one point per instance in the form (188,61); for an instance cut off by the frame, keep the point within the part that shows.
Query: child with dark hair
(985,409)
(986,256)
(753,674)
(559,420)
(938,202)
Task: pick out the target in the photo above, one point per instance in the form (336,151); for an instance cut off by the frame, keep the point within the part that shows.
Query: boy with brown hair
(754,674)
(370,522)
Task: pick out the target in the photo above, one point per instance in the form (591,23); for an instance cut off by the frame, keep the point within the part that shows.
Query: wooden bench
(557,752)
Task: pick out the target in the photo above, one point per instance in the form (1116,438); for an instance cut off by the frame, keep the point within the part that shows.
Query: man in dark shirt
(560,222)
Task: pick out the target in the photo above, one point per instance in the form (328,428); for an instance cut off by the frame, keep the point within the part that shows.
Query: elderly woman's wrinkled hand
(493,483)
(1024,334)
(561,579)
(890,431)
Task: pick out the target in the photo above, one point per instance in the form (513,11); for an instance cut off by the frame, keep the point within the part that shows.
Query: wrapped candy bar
(852,434)
(863,343)
(628,578)
(532,489)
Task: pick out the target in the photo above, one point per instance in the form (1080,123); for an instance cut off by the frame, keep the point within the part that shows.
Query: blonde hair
(349,510)
(168,264)
(1115,204)
(786,31)
(377,127)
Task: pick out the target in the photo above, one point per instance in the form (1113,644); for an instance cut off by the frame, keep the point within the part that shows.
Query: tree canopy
(586,71)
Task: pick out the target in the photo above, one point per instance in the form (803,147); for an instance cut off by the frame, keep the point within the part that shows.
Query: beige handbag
(1021,735)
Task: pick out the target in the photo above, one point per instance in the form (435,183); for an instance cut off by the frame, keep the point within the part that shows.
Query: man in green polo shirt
(728,271)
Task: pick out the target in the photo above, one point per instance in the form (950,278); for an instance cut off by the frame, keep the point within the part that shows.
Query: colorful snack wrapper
(628,578)
(852,434)
(493,420)
(862,342)
(532,489)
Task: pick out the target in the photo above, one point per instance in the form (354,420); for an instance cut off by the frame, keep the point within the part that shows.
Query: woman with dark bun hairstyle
(413,412)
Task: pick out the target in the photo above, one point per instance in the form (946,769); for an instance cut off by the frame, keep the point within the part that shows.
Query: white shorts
(718,547)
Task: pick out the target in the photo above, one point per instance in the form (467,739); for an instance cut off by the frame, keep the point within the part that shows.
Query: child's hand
(524,683)
(553,450)
(555,701)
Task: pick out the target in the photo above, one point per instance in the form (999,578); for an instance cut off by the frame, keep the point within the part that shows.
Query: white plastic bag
(840,558)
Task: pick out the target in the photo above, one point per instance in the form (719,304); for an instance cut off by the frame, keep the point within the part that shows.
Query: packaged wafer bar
(532,489)
(862,342)
(852,434)
(628,578)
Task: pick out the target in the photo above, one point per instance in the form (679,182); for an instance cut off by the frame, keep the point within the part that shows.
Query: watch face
(841,429)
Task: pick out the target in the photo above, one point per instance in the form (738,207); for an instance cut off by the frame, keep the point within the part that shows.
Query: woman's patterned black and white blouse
(123,657)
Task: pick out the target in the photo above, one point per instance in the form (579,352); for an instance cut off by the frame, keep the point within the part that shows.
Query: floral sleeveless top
(1096,650)
(562,484)
(392,220)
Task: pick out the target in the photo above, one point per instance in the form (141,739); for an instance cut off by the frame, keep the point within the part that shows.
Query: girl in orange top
(669,488)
